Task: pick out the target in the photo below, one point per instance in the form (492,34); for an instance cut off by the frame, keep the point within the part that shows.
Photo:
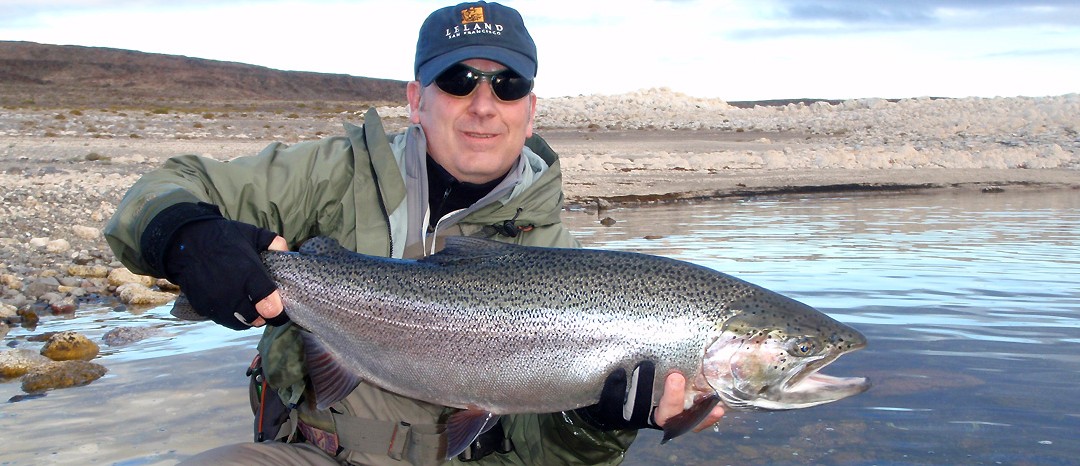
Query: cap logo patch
(472,15)
(473,22)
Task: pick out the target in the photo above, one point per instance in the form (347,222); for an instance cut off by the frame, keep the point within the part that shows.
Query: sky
(733,50)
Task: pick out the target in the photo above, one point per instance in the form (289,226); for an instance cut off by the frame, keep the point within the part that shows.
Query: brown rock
(61,374)
(122,276)
(11,281)
(7,311)
(63,305)
(135,293)
(41,337)
(28,318)
(127,335)
(17,362)
(88,271)
(165,285)
(70,346)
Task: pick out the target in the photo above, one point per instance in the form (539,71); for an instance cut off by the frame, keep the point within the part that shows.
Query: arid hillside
(66,75)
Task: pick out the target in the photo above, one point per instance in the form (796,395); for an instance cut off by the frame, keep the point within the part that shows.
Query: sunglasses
(461,80)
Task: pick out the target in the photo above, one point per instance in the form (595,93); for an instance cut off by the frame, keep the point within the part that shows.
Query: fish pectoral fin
(463,427)
(331,380)
(686,421)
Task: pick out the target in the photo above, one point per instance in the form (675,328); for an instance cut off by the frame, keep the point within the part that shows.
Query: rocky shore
(63,170)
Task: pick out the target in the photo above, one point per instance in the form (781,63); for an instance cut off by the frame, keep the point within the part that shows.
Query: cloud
(935,13)
(1067,52)
(860,13)
(786,18)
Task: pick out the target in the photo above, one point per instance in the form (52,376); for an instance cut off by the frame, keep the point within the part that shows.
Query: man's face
(477,138)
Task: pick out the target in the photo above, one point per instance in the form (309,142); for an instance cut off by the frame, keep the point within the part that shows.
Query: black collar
(446,194)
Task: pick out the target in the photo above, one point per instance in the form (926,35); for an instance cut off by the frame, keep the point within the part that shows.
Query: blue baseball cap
(490,31)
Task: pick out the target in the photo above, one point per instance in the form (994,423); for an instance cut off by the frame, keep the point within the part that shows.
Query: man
(468,165)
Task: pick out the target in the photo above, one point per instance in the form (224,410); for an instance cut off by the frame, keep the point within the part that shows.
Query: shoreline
(64,171)
(654,188)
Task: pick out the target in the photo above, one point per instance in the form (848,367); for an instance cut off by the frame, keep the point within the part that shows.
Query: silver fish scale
(507,329)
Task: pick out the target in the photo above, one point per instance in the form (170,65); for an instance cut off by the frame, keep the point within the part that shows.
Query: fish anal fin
(331,380)
(686,421)
(463,427)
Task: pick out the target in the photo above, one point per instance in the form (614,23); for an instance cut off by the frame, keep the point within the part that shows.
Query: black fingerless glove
(620,407)
(214,260)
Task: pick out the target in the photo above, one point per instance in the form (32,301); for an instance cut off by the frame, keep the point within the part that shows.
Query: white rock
(58,246)
(86,232)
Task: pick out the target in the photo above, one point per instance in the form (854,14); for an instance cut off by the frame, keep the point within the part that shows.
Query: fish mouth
(757,383)
(809,387)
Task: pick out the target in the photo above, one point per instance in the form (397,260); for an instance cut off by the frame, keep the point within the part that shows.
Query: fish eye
(802,346)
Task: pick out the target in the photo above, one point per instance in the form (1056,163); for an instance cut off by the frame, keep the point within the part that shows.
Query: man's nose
(483,99)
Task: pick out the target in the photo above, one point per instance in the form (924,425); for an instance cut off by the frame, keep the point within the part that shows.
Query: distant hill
(67,75)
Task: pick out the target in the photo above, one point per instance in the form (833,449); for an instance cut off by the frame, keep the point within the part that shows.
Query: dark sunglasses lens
(460,80)
(457,80)
(509,86)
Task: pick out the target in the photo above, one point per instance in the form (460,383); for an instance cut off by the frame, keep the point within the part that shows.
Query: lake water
(970,302)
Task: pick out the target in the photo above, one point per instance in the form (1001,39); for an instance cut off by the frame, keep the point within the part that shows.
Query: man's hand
(216,263)
(672,403)
(625,401)
(271,307)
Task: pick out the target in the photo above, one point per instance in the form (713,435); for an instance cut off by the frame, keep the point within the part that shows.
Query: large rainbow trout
(496,329)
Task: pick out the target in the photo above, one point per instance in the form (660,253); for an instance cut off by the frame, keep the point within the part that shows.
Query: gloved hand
(216,263)
(623,408)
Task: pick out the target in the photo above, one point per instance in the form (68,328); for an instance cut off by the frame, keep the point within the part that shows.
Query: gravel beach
(63,170)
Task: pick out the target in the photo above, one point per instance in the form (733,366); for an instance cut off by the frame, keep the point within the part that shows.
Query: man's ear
(412,92)
(532,115)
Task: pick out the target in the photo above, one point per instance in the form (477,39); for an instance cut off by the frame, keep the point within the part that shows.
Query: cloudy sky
(734,49)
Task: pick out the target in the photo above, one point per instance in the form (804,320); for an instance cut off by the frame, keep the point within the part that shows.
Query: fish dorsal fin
(331,380)
(323,246)
(461,248)
(463,427)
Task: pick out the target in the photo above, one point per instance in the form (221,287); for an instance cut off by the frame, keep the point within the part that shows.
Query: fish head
(769,354)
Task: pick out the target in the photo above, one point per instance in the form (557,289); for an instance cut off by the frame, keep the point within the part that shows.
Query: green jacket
(361,189)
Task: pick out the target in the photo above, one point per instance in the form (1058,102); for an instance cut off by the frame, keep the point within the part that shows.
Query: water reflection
(971,303)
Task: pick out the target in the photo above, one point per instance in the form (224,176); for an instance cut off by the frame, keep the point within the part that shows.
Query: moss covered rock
(69,346)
